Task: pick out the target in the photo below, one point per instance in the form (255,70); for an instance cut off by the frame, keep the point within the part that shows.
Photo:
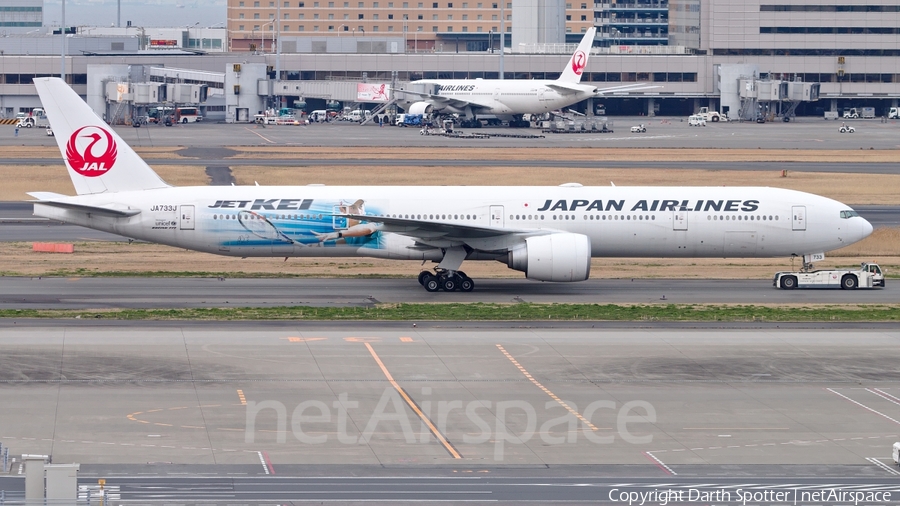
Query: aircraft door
(679,220)
(186,220)
(496,216)
(798,220)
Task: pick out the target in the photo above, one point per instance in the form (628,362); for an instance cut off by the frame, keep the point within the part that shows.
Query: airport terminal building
(716,53)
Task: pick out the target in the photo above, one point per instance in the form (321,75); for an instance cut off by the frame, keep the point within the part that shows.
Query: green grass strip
(500,312)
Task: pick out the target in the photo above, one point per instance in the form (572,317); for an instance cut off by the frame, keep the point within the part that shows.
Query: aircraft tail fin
(98,160)
(578,62)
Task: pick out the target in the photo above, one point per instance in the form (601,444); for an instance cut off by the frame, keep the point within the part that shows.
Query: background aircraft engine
(554,257)
(420,108)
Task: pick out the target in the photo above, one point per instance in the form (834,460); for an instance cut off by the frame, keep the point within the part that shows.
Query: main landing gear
(446,280)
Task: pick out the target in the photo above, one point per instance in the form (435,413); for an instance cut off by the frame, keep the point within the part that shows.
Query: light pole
(339,30)
(502,34)
(189,33)
(262,38)
(62,33)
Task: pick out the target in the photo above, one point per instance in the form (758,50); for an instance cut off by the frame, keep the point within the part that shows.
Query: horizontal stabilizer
(87,209)
(568,88)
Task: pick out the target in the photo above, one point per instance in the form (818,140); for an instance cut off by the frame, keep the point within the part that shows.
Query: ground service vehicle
(357,115)
(31,122)
(831,115)
(846,129)
(894,113)
(319,115)
(639,129)
(851,113)
(412,120)
(696,120)
(867,113)
(868,275)
(708,115)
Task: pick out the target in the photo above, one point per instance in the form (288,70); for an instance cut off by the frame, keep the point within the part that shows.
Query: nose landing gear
(446,280)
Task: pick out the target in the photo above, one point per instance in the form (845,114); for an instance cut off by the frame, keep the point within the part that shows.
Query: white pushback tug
(869,275)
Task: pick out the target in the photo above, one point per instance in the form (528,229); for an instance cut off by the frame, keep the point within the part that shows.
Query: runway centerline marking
(546,390)
(434,430)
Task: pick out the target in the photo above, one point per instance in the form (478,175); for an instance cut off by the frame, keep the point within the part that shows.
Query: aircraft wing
(440,234)
(440,101)
(57,200)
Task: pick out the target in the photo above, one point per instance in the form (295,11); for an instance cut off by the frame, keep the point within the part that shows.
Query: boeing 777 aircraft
(549,233)
(508,99)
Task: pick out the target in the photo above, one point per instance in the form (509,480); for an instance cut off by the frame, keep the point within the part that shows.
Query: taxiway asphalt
(662,132)
(156,293)
(576,409)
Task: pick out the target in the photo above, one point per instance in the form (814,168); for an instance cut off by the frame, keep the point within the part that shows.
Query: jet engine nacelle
(554,257)
(420,108)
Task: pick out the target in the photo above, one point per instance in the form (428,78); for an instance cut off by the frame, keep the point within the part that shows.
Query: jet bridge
(766,99)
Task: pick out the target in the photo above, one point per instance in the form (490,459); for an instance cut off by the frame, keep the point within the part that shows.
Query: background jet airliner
(508,99)
(549,233)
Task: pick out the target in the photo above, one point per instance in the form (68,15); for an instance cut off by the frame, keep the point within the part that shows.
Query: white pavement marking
(270,141)
(884,395)
(863,405)
(262,461)
(661,464)
(883,466)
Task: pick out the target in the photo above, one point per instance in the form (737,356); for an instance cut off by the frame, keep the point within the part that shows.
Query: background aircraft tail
(98,159)
(578,63)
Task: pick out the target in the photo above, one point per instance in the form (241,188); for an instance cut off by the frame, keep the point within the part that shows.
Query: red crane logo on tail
(579,60)
(82,151)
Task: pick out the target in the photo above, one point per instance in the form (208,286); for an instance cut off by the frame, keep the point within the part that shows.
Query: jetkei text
(651,205)
(267,204)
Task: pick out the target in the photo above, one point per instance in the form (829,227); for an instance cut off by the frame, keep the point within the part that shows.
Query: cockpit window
(848,214)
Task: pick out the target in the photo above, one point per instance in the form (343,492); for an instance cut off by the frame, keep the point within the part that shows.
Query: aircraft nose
(865,228)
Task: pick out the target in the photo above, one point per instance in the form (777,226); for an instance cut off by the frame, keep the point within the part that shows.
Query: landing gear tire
(466,284)
(431,283)
(422,276)
(449,284)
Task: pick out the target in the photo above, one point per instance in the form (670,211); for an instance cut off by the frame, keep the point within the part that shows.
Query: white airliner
(508,99)
(550,233)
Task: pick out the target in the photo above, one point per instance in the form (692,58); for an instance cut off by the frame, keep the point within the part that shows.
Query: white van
(318,116)
(357,115)
(696,120)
